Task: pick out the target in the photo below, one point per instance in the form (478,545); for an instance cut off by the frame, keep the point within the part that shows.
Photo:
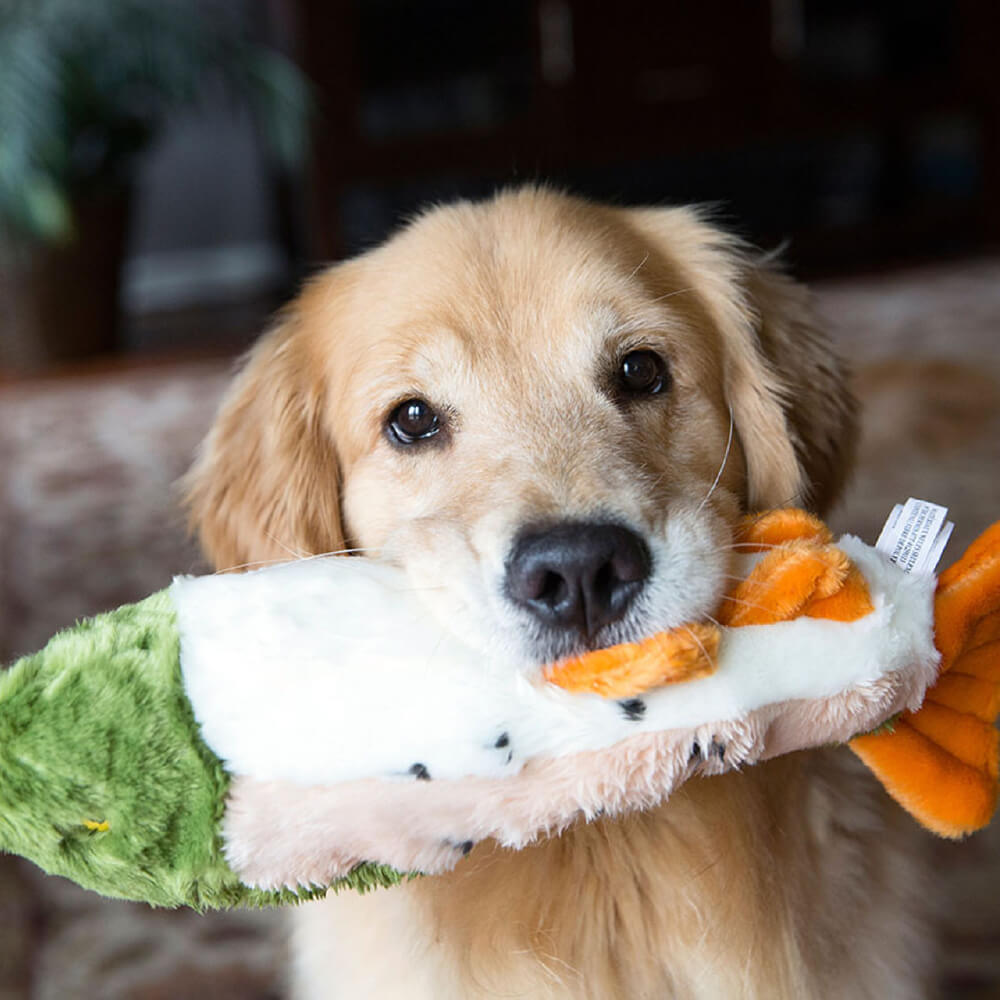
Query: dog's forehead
(464,288)
(516,255)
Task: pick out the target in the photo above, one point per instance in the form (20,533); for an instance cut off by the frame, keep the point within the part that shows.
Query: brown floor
(90,521)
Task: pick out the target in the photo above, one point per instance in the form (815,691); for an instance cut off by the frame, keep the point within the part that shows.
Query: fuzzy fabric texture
(125,798)
(104,778)
(281,835)
(941,762)
(413,701)
(328,669)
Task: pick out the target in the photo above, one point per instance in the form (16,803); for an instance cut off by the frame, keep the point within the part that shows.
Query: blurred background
(171,171)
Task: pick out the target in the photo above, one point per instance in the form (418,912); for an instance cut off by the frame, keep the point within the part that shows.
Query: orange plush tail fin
(941,762)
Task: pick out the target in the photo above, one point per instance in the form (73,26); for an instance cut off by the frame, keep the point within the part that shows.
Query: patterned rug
(89,520)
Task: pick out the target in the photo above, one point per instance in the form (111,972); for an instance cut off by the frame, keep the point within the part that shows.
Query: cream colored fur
(794,879)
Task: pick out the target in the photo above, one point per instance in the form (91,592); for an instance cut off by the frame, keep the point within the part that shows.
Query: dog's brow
(646,325)
(609,320)
(627,326)
(419,351)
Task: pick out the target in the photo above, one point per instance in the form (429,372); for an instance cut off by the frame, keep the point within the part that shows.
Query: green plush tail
(104,777)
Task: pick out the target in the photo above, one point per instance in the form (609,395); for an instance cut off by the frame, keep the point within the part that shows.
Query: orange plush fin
(763,531)
(942,761)
(946,795)
(972,741)
(973,697)
(632,668)
(982,662)
(850,602)
(785,582)
(981,553)
(985,631)
(968,594)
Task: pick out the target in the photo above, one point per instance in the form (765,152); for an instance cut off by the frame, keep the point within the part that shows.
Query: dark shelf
(865,126)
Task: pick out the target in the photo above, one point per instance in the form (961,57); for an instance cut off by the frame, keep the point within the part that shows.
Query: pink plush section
(281,834)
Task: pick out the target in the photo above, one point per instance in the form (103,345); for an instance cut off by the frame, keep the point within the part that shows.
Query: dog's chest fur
(706,896)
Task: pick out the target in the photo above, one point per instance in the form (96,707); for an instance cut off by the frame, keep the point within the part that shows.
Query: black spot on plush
(634,709)
(420,772)
(502,740)
(465,846)
(695,752)
(719,749)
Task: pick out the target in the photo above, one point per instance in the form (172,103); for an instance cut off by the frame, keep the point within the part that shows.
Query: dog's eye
(643,373)
(413,420)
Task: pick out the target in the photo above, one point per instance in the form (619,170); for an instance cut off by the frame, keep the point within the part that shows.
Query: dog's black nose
(577,575)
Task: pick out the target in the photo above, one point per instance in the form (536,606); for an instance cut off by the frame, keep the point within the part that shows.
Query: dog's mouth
(560,598)
(548,645)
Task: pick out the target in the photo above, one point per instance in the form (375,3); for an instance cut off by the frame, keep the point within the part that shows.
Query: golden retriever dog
(551,414)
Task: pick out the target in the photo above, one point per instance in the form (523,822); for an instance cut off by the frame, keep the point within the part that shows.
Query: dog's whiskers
(295,553)
(340,552)
(281,561)
(747,604)
(670,295)
(638,267)
(749,545)
(708,659)
(725,459)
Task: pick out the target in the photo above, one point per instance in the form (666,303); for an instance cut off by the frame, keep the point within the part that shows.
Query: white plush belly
(331,669)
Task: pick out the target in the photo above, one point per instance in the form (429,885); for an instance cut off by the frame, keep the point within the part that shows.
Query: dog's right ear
(265,485)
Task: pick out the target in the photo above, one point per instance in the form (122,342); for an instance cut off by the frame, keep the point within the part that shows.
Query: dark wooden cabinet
(860,130)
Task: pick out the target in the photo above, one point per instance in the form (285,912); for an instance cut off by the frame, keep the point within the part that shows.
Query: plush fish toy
(263,737)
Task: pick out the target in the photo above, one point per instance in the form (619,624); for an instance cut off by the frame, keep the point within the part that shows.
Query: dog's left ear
(787,388)
(265,485)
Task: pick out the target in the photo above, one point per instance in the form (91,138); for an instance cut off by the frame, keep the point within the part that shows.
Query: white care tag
(915,535)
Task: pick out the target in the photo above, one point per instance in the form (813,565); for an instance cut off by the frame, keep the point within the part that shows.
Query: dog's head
(550,413)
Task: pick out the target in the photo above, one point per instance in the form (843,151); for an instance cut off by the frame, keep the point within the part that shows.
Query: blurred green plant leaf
(85,85)
(47,210)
